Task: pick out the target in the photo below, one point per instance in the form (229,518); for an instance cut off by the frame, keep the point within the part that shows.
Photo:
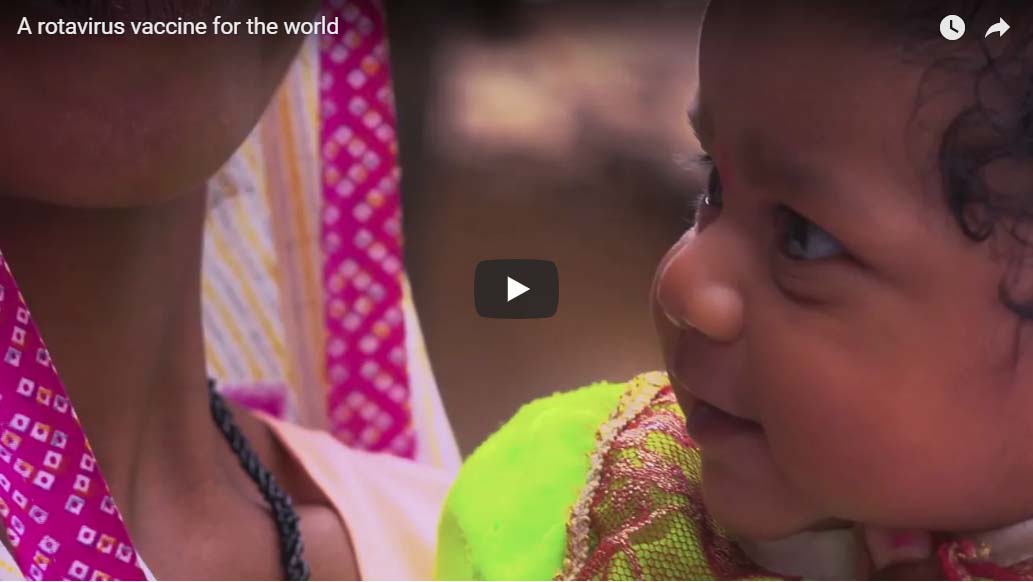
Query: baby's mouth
(707,423)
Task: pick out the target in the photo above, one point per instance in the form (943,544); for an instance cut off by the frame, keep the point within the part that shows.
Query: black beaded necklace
(291,548)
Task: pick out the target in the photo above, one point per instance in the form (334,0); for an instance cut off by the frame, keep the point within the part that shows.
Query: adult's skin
(107,143)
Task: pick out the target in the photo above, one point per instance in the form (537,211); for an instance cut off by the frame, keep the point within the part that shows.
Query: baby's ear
(899,554)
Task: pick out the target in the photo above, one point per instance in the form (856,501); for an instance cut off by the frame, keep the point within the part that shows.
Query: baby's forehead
(803,86)
(839,67)
(849,99)
(792,38)
(810,115)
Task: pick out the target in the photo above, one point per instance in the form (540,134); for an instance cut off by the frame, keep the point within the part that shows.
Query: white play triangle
(514,289)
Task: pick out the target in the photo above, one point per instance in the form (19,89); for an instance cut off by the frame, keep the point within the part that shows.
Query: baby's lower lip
(708,424)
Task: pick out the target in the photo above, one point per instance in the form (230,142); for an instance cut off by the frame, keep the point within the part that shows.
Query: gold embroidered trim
(640,392)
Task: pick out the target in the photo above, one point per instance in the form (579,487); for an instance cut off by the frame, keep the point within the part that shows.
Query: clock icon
(952,27)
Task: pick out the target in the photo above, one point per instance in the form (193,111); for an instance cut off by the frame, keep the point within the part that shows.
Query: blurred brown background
(549,130)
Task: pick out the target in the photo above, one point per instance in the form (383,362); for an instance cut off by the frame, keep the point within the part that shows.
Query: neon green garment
(603,483)
(506,516)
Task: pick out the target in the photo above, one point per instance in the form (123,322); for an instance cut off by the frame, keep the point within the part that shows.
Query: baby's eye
(802,240)
(713,196)
(710,201)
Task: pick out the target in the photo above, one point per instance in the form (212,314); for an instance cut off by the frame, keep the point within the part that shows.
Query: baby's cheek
(826,426)
(902,454)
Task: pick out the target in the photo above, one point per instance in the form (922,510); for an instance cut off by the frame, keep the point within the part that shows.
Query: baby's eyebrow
(767,165)
(763,163)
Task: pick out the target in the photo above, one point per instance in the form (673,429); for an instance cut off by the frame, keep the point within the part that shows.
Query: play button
(516,288)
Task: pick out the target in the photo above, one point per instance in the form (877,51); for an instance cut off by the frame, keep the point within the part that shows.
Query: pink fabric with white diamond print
(362,240)
(59,514)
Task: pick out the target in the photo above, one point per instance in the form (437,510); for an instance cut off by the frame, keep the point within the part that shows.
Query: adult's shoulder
(390,505)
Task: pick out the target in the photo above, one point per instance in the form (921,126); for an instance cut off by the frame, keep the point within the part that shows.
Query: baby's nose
(695,288)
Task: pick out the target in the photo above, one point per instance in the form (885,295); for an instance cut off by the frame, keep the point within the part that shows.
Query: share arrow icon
(1000,28)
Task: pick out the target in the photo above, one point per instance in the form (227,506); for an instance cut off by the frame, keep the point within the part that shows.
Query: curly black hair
(985,156)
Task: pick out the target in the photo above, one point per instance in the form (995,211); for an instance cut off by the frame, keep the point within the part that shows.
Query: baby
(842,326)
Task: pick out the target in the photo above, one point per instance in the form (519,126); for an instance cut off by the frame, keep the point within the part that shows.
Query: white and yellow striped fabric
(263,284)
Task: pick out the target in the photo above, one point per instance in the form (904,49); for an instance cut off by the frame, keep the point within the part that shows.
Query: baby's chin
(756,507)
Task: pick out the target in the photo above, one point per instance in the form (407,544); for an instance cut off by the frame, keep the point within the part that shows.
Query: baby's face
(838,344)
(122,121)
